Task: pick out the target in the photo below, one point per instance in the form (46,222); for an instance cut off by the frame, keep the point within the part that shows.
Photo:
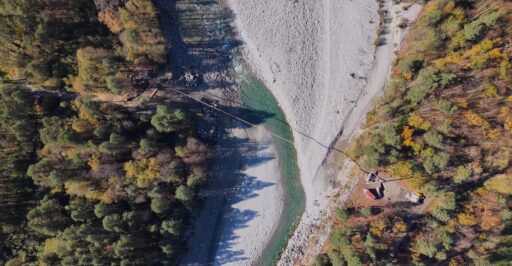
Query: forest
(443,127)
(85,180)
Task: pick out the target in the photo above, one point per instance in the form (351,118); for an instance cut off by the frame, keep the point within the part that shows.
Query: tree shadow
(172,34)
(227,254)
(502,252)
(202,44)
(200,36)
(216,226)
(243,188)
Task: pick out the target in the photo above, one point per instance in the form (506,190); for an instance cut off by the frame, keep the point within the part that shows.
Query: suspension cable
(269,131)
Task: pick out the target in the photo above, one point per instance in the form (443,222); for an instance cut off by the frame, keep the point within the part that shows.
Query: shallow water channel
(202,39)
(256,96)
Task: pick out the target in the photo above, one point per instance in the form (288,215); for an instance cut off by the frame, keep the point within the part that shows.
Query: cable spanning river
(254,197)
(255,95)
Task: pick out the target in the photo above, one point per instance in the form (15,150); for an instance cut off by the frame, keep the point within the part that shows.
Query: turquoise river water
(256,96)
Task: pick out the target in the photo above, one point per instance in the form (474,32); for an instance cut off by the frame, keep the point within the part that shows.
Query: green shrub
(336,258)
(366,211)
(504,70)
(195,180)
(184,193)
(432,18)
(396,84)
(148,147)
(500,183)
(462,174)
(427,153)
(449,201)
(474,30)
(428,166)
(340,237)
(425,247)
(478,260)
(391,156)
(341,214)
(430,40)
(351,256)
(446,79)
(450,26)
(410,65)
(438,162)
(370,244)
(441,160)
(446,107)
(378,41)
(433,139)
(165,120)
(416,95)
(371,154)
(429,79)
(370,241)
(441,215)
(389,136)
(445,126)
(441,255)
(114,84)
(321,260)
(112,222)
(490,90)
(445,239)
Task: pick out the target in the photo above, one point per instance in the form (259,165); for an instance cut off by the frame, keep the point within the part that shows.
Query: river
(204,43)
(258,97)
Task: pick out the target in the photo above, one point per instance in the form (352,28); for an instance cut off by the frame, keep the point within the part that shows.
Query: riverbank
(244,199)
(318,59)
(256,97)
(312,233)
(311,55)
(253,207)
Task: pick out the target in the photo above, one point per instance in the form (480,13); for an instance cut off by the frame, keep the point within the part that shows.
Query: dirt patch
(387,190)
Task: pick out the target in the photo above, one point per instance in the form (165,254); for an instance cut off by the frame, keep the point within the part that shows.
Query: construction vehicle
(415,197)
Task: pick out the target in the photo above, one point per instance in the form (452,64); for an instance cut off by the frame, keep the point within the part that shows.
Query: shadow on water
(205,43)
(213,242)
(204,46)
(202,42)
